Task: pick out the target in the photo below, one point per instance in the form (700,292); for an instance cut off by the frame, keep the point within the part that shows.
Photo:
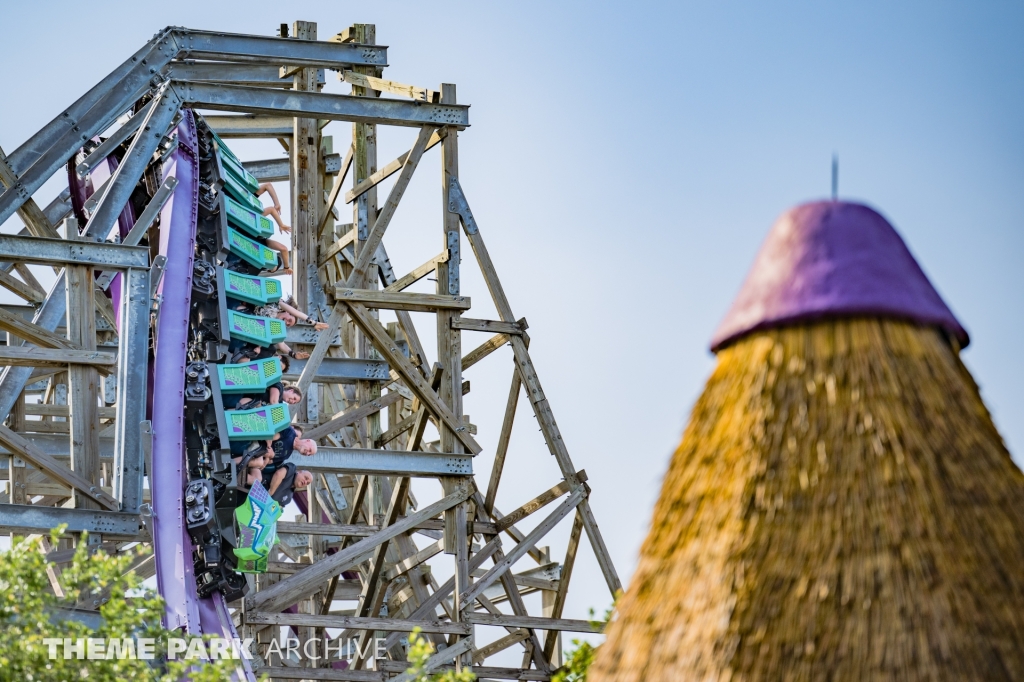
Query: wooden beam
(35,220)
(411,562)
(551,640)
(285,673)
(323,344)
(469,324)
(416,383)
(288,591)
(487,347)
(387,212)
(536,622)
(33,333)
(356,623)
(389,300)
(418,273)
(451,653)
(501,567)
(381,85)
(539,502)
(346,164)
(352,415)
(387,170)
(30,453)
(503,439)
(34,356)
(19,288)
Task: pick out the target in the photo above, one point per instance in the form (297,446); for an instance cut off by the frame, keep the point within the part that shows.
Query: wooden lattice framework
(353,564)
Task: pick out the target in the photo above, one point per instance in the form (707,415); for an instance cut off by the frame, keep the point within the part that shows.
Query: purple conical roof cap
(830,259)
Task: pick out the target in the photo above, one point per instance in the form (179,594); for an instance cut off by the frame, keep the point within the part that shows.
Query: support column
(305,189)
(84,384)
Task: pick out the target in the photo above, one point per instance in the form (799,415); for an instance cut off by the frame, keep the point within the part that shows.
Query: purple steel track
(829,259)
(174,571)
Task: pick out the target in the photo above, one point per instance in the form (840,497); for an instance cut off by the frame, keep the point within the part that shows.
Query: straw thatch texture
(841,507)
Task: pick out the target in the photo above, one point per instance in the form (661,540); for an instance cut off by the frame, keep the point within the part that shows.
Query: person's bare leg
(286,268)
(276,215)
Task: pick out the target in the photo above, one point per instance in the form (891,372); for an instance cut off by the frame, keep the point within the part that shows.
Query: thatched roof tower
(841,506)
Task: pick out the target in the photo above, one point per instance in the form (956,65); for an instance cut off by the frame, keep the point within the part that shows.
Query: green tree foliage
(420,649)
(31,613)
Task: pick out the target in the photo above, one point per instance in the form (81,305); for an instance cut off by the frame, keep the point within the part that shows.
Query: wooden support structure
(361,559)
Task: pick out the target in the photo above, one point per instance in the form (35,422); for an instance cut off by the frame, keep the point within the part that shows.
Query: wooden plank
(411,562)
(472,325)
(35,220)
(288,591)
(482,672)
(357,623)
(551,641)
(503,439)
(451,653)
(381,85)
(387,212)
(498,645)
(537,622)
(346,164)
(47,410)
(305,187)
(83,380)
(19,288)
(352,415)
(391,300)
(418,273)
(33,333)
(486,348)
(285,673)
(428,608)
(539,502)
(416,383)
(338,246)
(323,344)
(343,529)
(34,356)
(501,567)
(387,170)
(30,453)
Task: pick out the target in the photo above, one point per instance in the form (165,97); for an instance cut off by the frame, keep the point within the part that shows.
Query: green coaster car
(257,529)
(259,423)
(249,288)
(251,251)
(249,377)
(249,221)
(257,330)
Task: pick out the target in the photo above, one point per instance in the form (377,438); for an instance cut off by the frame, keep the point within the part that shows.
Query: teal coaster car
(257,529)
(256,329)
(260,423)
(249,377)
(249,288)
(250,250)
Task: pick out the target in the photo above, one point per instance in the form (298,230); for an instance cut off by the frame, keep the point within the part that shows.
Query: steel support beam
(72,252)
(341,370)
(386,462)
(27,518)
(230,127)
(321,105)
(132,373)
(259,75)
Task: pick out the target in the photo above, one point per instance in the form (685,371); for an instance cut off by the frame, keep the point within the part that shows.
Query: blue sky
(625,161)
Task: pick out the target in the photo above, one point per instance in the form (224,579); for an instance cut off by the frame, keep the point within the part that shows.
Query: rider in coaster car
(278,392)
